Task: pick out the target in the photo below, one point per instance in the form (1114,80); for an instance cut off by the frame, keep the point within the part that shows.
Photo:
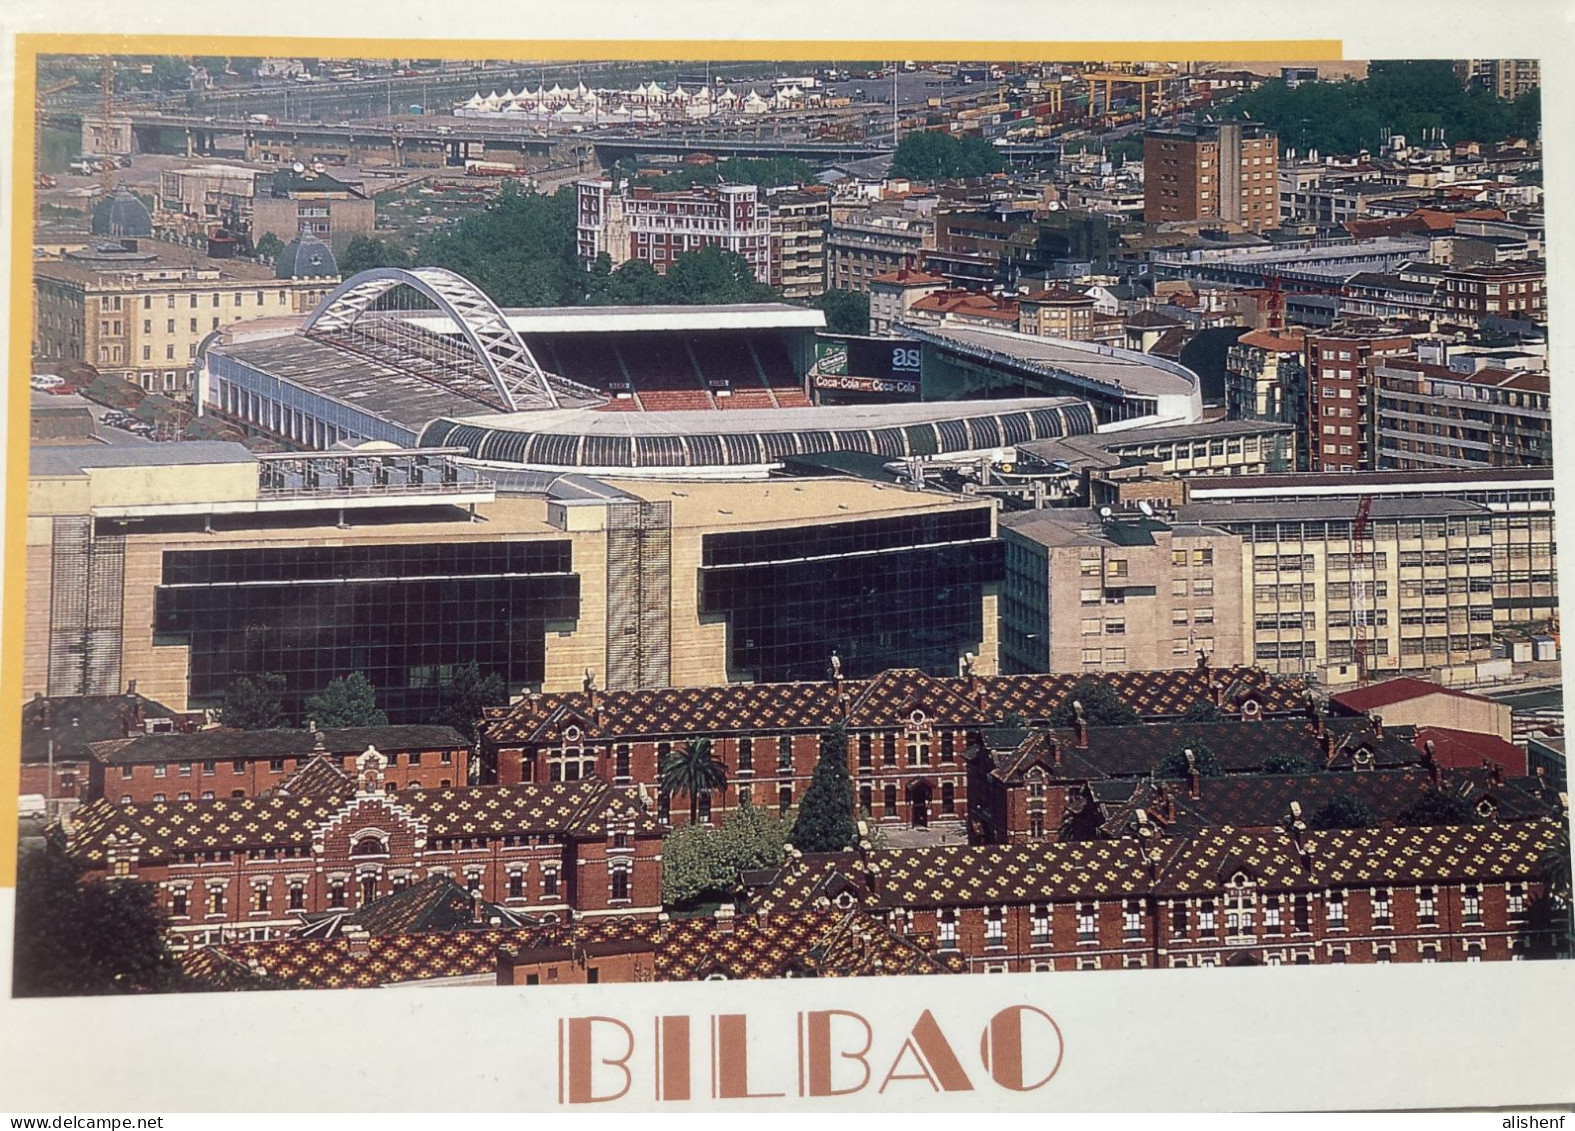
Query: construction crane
(1363,590)
(42,93)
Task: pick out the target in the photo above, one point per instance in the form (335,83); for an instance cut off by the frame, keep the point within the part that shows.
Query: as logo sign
(837,1052)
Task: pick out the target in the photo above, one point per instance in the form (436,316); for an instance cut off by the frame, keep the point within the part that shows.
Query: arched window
(369,845)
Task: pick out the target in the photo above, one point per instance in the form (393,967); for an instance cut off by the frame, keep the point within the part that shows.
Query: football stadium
(424,358)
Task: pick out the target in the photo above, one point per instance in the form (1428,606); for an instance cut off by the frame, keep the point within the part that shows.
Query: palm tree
(695,770)
(1554,866)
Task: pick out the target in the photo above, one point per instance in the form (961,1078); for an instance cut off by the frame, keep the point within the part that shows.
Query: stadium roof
(646,319)
(1121,369)
(712,422)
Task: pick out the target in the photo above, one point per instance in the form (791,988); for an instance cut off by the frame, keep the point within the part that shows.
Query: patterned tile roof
(1014,873)
(886,700)
(581,809)
(436,903)
(321,776)
(221,744)
(803,944)
(1238,747)
(1355,857)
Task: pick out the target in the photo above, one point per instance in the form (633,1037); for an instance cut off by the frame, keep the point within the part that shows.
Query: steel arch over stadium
(346,317)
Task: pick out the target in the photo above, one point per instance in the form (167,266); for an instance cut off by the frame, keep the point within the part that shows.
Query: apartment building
(872,243)
(799,220)
(1430,416)
(1228,171)
(1266,377)
(140,310)
(1085,593)
(1341,419)
(1416,583)
(657,227)
(1503,290)
(1057,312)
(893,294)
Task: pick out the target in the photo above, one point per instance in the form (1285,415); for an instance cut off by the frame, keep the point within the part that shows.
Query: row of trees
(522,251)
(257,702)
(1403,97)
(930,156)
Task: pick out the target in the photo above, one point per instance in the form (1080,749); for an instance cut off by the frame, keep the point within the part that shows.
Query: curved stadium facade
(423,357)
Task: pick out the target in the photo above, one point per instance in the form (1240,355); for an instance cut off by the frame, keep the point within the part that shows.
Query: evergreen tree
(269,246)
(713,276)
(825,816)
(847,312)
(366,252)
(348,701)
(466,695)
(1202,711)
(1174,764)
(1343,811)
(104,937)
(1438,807)
(1102,707)
(933,156)
(1288,762)
(255,703)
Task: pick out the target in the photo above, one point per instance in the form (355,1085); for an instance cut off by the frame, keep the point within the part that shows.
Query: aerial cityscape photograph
(543,523)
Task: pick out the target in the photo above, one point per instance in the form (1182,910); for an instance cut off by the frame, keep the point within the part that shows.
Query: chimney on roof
(1306,854)
(478,908)
(1055,752)
(1156,856)
(1378,724)
(46,713)
(311,726)
(1081,724)
(1296,826)
(725,919)
(1430,760)
(1328,743)
(1542,779)
(1495,771)
(1194,779)
(357,939)
(131,687)
(1217,692)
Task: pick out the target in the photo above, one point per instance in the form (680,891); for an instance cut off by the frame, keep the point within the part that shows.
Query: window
(1381,917)
(1132,921)
(1272,924)
(1087,926)
(866,743)
(1334,908)
(784,799)
(1471,904)
(159,770)
(1178,919)
(549,881)
(1426,907)
(1116,567)
(215,901)
(1116,626)
(946,930)
(260,898)
(297,895)
(1207,920)
(178,903)
(785,751)
(1515,895)
(995,927)
(1039,924)
(746,753)
(888,750)
(620,884)
(1203,557)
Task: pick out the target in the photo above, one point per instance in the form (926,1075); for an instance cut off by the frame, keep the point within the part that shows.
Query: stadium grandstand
(420,356)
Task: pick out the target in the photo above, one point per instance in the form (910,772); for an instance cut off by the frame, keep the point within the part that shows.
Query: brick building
(57,732)
(657,227)
(1342,416)
(1219,898)
(254,763)
(908,733)
(1227,171)
(1518,290)
(255,868)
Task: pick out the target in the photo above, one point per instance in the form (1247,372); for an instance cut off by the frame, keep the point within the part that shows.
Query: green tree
(269,246)
(1288,762)
(1174,764)
(1343,811)
(634,283)
(466,695)
(347,701)
(1438,807)
(363,253)
(1202,711)
(104,937)
(521,250)
(693,865)
(752,837)
(693,769)
(825,820)
(1102,707)
(712,276)
(933,156)
(1554,866)
(255,703)
(847,312)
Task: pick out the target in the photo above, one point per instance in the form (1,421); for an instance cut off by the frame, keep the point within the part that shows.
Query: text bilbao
(837,1052)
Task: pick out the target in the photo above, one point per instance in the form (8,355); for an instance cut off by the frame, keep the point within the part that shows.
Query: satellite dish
(318,167)
(1145,508)
(1105,513)
(298,167)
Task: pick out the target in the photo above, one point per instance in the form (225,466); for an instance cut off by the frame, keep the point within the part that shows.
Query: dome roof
(306,257)
(123,215)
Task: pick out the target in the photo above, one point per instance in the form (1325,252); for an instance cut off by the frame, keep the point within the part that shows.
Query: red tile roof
(1391,691)
(1465,749)
(908,278)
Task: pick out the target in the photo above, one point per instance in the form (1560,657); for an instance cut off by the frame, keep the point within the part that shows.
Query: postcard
(611,567)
